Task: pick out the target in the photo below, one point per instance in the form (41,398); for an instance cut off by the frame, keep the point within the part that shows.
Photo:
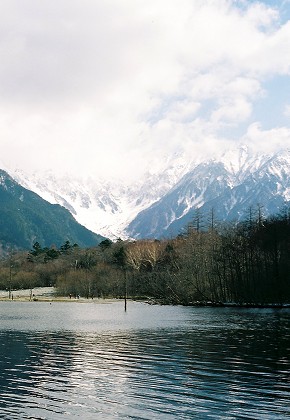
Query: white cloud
(232,112)
(267,140)
(108,86)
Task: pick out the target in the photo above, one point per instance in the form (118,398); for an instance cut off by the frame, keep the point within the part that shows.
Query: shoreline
(46,294)
(49,294)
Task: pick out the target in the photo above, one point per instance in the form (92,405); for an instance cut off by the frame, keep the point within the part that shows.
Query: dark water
(90,361)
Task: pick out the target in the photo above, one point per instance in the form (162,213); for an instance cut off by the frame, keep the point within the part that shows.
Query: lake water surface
(94,361)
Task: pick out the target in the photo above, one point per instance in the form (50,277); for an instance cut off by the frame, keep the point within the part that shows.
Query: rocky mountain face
(164,202)
(26,218)
(226,190)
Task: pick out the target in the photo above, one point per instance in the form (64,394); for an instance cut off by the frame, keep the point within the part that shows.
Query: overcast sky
(106,86)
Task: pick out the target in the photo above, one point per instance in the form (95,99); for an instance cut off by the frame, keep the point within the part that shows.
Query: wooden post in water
(10,274)
(125,278)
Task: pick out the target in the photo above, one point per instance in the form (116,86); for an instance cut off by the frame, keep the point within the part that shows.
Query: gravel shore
(46,294)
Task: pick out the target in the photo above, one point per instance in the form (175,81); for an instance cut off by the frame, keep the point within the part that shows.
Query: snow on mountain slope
(164,200)
(105,207)
(96,205)
(202,184)
(228,186)
(241,162)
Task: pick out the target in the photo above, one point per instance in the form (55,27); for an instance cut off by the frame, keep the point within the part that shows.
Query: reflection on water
(98,362)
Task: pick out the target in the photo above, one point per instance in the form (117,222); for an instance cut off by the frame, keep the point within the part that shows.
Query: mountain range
(164,202)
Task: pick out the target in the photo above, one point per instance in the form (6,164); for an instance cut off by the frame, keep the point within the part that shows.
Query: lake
(71,360)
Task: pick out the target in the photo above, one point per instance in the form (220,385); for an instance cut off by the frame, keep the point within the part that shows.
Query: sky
(110,88)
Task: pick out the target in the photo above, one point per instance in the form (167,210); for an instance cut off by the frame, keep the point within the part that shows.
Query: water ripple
(216,366)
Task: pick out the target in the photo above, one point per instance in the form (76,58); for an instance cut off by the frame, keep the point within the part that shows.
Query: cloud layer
(109,87)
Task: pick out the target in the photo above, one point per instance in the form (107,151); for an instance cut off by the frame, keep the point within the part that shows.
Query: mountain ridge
(264,181)
(164,201)
(26,218)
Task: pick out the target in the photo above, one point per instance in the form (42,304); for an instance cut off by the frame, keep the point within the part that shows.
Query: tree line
(208,263)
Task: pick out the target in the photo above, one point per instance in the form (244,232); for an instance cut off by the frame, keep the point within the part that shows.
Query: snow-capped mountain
(165,200)
(226,187)
(105,207)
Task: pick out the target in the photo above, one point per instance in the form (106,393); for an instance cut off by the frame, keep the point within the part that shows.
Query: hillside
(26,218)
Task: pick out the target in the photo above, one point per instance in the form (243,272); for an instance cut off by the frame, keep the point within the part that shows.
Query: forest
(210,263)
